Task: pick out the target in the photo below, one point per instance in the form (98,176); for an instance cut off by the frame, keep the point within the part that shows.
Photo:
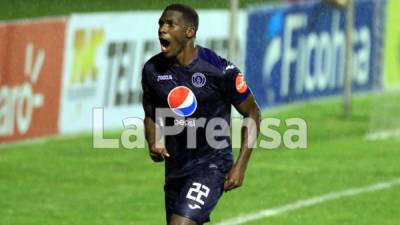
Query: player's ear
(190,31)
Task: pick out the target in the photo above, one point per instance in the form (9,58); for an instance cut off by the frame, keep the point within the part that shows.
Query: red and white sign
(31,56)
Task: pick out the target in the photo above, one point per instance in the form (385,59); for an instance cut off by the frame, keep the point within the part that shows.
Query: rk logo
(86,43)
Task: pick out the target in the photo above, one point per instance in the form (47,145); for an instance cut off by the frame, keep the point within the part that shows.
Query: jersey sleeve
(147,95)
(233,84)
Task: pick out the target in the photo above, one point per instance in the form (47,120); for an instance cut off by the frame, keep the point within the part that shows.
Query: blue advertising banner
(297,51)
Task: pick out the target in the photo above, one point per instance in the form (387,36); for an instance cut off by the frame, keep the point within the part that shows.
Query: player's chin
(168,54)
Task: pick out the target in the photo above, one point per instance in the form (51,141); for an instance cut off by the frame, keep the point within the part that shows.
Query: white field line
(309,202)
(382,135)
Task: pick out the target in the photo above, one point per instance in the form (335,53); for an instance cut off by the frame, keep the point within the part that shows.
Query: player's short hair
(189,14)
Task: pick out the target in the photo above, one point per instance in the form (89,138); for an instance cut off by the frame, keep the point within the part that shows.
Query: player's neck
(188,54)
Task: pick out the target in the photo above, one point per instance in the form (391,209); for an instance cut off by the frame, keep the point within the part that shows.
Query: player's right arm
(157,154)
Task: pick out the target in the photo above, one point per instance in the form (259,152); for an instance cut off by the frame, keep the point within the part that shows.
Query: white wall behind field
(104,56)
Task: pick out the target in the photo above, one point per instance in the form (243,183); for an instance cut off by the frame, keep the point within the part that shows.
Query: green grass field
(65,181)
(39,8)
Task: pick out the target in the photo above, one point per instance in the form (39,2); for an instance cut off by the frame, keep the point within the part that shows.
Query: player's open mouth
(164,44)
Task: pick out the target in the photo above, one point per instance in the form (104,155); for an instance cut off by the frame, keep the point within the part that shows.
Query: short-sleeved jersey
(206,88)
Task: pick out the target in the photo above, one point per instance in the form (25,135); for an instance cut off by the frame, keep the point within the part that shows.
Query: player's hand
(158,154)
(234,178)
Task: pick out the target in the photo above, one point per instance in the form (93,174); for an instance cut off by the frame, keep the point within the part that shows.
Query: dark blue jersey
(206,88)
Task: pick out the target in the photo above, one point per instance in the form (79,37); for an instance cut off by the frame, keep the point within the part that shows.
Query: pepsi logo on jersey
(182,101)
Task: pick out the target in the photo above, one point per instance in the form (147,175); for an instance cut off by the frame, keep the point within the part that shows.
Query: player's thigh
(172,190)
(180,220)
(200,195)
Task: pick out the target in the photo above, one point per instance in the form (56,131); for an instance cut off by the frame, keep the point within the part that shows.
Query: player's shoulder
(213,59)
(157,63)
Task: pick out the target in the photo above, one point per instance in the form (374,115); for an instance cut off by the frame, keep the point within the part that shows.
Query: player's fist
(234,178)
(158,154)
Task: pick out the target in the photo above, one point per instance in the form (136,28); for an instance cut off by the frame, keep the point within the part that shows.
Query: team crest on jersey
(182,101)
(198,80)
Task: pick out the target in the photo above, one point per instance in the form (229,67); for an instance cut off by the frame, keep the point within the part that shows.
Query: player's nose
(162,29)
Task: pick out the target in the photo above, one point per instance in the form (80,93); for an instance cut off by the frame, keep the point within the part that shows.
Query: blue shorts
(194,196)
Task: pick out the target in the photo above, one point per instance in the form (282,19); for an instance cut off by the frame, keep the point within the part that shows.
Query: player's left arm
(249,133)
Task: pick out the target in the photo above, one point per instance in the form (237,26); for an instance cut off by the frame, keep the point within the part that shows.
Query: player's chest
(185,87)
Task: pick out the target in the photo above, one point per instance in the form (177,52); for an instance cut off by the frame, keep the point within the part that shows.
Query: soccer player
(194,82)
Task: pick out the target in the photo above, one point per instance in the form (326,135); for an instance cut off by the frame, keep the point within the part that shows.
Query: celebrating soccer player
(198,88)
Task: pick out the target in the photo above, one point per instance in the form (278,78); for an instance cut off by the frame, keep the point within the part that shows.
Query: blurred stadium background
(59,59)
